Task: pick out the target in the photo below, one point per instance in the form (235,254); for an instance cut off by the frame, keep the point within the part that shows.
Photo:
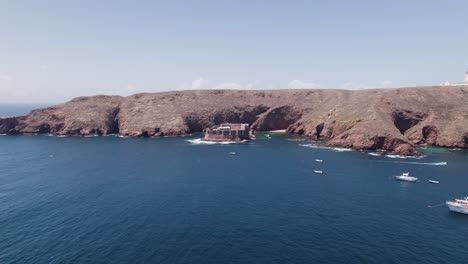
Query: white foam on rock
(444,163)
(90,136)
(403,157)
(342,149)
(199,141)
(324,147)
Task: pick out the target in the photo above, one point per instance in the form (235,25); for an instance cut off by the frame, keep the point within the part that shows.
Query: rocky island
(392,120)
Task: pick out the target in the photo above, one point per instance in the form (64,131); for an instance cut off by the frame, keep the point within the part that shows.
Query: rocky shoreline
(393,120)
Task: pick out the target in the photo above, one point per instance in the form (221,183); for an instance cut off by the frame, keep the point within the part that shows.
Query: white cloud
(228,86)
(133,89)
(5,77)
(123,91)
(200,83)
(204,84)
(296,84)
(353,86)
(386,84)
(361,86)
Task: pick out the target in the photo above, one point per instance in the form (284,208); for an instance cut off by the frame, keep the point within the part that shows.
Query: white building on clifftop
(465,81)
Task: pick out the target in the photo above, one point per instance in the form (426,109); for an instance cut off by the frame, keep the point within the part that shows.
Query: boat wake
(444,163)
(199,141)
(324,147)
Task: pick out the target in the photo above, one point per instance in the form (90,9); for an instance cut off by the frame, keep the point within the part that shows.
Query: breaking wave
(444,163)
(90,136)
(116,135)
(391,156)
(199,141)
(401,157)
(324,147)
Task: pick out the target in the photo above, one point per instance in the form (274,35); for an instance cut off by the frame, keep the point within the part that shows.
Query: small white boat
(458,205)
(318,171)
(268,136)
(319,160)
(232,153)
(433,182)
(406,177)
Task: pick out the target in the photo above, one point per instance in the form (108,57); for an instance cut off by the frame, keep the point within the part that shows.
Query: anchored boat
(318,171)
(406,177)
(458,205)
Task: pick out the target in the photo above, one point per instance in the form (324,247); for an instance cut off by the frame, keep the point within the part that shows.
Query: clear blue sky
(51,51)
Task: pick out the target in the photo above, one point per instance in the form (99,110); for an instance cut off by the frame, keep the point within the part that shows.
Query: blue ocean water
(168,200)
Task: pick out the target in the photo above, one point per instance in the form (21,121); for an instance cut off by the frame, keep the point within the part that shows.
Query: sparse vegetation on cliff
(395,120)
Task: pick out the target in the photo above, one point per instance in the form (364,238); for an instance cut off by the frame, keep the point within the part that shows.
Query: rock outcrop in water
(394,120)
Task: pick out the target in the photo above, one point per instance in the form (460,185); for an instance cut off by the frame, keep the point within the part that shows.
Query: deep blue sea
(172,200)
(169,200)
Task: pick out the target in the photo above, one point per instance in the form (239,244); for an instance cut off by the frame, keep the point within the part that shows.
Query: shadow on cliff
(198,121)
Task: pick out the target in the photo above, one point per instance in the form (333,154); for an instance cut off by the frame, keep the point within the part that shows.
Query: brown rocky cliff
(8,124)
(395,120)
(80,116)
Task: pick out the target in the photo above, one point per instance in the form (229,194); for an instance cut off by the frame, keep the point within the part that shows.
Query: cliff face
(390,119)
(80,116)
(8,124)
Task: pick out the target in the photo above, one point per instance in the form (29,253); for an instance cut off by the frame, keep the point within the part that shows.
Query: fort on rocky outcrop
(228,132)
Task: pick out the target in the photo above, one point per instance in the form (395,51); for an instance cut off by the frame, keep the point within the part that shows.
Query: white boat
(434,182)
(318,171)
(232,153)
(319,160)
(406,177)
(458,205)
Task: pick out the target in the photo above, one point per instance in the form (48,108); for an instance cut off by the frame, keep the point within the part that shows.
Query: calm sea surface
(169,200)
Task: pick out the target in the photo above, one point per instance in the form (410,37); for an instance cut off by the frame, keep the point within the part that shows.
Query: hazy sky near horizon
(51,51)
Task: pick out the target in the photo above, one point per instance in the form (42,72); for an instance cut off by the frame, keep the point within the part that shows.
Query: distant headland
(392,120)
